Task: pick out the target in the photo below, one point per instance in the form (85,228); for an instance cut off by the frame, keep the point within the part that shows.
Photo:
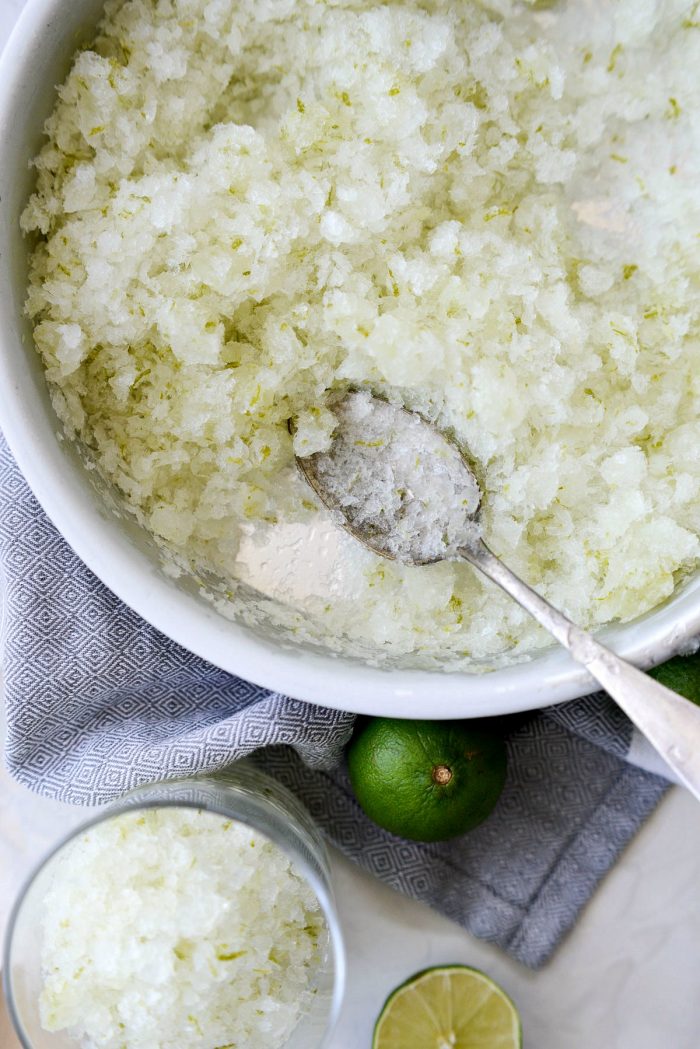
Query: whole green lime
(682,675)
(426,780)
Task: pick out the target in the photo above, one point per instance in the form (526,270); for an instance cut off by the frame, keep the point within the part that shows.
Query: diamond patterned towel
(98,701)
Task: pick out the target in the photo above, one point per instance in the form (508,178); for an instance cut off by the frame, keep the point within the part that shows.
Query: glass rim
(121,805)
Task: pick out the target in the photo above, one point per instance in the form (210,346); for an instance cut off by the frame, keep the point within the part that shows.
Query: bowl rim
(324,679)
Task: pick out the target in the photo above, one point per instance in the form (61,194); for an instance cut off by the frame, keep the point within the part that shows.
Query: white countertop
(626,978)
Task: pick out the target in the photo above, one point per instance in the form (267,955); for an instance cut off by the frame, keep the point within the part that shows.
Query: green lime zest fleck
(231,956)
(496,213)
(614,55)
(195,1023)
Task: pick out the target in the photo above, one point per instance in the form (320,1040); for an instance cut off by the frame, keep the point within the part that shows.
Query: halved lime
(448,1007)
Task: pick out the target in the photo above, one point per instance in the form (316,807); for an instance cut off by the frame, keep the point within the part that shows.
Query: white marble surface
(626,978)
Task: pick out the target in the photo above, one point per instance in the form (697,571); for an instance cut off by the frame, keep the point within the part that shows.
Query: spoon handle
(670,722)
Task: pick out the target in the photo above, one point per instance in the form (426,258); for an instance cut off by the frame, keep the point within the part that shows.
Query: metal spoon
(670,722)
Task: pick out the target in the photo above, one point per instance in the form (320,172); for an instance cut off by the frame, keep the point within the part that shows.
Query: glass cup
(241,793)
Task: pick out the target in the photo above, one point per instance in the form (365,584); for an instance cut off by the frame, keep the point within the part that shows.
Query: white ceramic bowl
(122,555)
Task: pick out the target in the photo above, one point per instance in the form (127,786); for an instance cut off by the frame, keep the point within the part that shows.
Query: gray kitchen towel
(98,702)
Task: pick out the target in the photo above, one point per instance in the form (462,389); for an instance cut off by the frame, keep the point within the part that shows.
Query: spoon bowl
(395,482)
